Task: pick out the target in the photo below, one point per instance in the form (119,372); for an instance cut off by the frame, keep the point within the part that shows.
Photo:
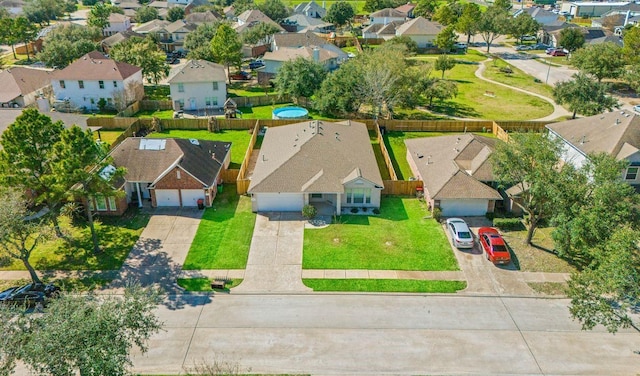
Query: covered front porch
(325,203)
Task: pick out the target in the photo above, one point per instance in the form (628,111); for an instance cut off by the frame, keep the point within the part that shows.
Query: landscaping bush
(376,211)
(506,70)
(309,211)
(354,210)
(437,214)
(364,209)
(508,224)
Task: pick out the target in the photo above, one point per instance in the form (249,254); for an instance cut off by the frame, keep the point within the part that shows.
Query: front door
(192,104)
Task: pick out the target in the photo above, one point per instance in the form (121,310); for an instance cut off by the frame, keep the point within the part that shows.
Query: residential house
(166,172)
(421,31)
(456,172)
(543,16)
(319,163)
(407,9)
(381,31)
(386,15)
(615,133)
(92,77)
(274,60)
(306,39)
(299,23)
(129,8)
(592,35)
(22,86)
(161,6)
(178,31)
(108,42)
(117,23)
(310,9)
(619,18)
(199,18)
(159,28)
(198,85)
(252,17)
(590,9)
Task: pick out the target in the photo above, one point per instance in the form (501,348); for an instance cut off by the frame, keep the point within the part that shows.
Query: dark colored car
(494,246)
(242,75)
(256,64)
(558,53)
(29,295)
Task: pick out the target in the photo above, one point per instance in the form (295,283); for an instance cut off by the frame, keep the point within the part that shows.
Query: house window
(81,84)
(215,86)
(211,101)
(178,174)
(316,195)
(115,83)
(62,84)
(358,195)
(632,173)
(101,84)
(180,88)
(181,103)
(112,204)
(101,203)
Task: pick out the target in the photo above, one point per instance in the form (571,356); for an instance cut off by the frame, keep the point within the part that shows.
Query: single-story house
(274,60)
(300,22)
(21,86)
(200,18)
(108,43)
(311,9)
(198,85)
(541,15)
(167,172)
(456,172)
(316,162)
(386,15)
(421,31)
(381,31)
(590,9)
(252,17)
(616,133)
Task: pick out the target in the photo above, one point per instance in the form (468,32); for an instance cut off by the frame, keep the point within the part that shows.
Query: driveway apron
(275,256)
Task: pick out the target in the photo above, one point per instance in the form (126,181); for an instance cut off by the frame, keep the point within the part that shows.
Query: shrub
(364,209)
(354,210)
(309,211)
(437,214)
(376,211)
(506,70)
(508,224)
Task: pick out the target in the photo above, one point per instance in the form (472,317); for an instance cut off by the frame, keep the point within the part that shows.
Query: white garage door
(167,197)
(462,208)
(190,197)
(279,201)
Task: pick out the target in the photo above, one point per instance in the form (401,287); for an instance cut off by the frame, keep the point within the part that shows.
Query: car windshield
(464,235)
(500,248)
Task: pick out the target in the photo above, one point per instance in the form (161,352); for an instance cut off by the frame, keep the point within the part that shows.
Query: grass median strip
(204,284)
(385,285)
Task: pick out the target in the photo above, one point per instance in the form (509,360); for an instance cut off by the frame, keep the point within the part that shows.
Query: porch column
(138,193)
(338,203)
(306,198)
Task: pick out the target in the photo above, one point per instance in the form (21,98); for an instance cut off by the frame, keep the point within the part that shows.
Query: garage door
(461,208)
(279,201)
(167,197)
(190,197)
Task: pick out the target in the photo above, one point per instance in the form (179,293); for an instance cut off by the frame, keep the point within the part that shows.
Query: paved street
(385,334)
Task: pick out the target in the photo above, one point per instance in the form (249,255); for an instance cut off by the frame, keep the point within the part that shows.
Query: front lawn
(385,285)
(224,235)
(539,257)
(239,140)
(400,238)
(117,236)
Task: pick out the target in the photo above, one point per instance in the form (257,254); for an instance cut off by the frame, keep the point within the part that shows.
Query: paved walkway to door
(275,256)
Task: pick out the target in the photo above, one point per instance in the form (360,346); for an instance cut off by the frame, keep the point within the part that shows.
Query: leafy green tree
(571,38)
(25,32)
(67,43)
(505,5)
(632,77)
(523,25)
(99,15)
(603,60)
(227,47)
(44,11)
(425,8)
(374,5)
(18,237)
(338,94)
(4,13)
(446,39)
(85,335)
(409,44)
(146,13)
(632,45)
(444,63)
(259,32)
(25,160)
(8,34)
(299,78)
(441,90)
(584,95)
(198,42)
(413,83)
(445,15)
(274,9)
(175,14)
(69,6)
(469,20)
(530,162)
(382,77)
(340,13)
(145,54)
(493,23)
(240,6)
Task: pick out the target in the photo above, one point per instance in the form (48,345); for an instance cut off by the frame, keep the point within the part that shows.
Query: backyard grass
(517,79)
(108,135)
(384,171)
(400,238)
(385,285)
(265,112)
(204,284)
(224,235)
(117,236)
(239,140)
(394,141)
(165,114)
(158,93)
(242,89)
(537,258)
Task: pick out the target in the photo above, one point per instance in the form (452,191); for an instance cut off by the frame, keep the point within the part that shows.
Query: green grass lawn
(239,138)
(265,112)
(159,93)
(224,234)
(385,285)
(204,284)
(394,141)
(517,79)
(243,89)
(108,135)
(400,238)
(384,171)
(164,114)
(539,257)
(117,236)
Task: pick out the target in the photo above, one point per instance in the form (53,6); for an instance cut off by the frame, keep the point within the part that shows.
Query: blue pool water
(290,113)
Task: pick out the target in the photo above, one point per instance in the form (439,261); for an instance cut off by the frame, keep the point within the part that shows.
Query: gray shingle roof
(197,71)
(419,26)
(95,66)
(387,12)
(314,156)
(307,38)
(18,81)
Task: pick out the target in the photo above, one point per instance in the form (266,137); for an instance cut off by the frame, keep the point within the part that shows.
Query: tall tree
(145,54)
(8,34)
(445,15)
(66,43)
(99,15)
(523,25)
(274,9)
(584,95)
(44,11)
(493,23)
(505,5)
(258,33)
(299,78)
(86,335)
(374,5)
(446,39)
(227,47)
(444,63)
(25,32)
(382,78)
(425,8)
(198,42)
(529,161)
(25,159)
(19,237)
(240,6)
(175,14)
(571,38)
(340,13)
(338,94)
(632,45)
(146,13)
(603,60)
(441,90)
(468,22)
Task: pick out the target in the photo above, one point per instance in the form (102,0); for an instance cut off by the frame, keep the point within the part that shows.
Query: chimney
(316,54)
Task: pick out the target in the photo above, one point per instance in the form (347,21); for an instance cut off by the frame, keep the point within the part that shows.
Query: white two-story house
(82,84)
(198,85)
(117,23)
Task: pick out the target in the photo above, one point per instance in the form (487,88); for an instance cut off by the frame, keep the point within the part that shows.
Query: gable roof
(454,166)
(151,26)
(202,160)
(419,26)
(180,26)
(95,66)
(306,7)
(197,71)
(120,37)
(252,17)
(203,17)
(306,21)
(18,81)
(117,18)
(308,38)
(406,8)
(387,12)
(291,53)
(314,156)
(615,133)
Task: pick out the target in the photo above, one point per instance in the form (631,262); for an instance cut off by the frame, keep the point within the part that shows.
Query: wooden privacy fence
(401,187)
(385,154)
(230,175)
(262,100)
(242,183)
(110,123)
(156,105)
(133,109)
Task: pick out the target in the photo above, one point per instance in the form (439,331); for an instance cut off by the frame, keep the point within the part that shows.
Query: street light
(548,71)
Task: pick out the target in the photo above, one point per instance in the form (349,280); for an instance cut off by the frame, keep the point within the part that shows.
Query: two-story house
(310,9)
(82,84)
(117,23)
(178,31)
(198,85)
(387,15)
(252,17)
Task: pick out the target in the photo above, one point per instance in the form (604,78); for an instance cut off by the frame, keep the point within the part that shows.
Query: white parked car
(461,235)
(637,108)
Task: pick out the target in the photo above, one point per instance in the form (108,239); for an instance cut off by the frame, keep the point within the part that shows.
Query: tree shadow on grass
(455,109)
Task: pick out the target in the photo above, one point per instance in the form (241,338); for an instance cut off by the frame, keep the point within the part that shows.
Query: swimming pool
(290,113)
